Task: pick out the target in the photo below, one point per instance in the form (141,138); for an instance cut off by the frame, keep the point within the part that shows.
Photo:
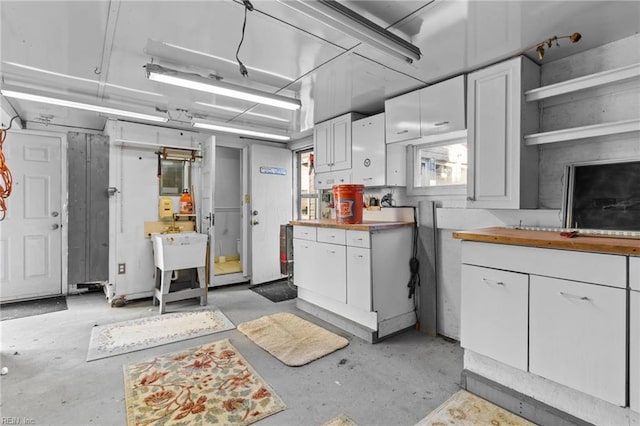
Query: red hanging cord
(6,181)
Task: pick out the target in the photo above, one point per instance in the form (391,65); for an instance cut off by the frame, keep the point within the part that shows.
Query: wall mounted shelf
(587,82)
(583,132)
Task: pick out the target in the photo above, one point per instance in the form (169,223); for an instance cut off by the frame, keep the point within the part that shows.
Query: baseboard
(516,402)
(345,324)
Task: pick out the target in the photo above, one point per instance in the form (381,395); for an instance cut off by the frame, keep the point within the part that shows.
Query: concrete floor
(395,382)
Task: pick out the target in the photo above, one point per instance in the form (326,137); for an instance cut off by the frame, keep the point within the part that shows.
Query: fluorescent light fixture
(341,18)
(80,105)
(238,130)
(197,82)
(241,111)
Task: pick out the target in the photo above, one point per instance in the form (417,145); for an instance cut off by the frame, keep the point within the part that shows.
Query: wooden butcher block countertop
(551,239)
(364,226)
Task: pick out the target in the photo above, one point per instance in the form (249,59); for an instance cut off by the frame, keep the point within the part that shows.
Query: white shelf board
(581,83)
(583,132)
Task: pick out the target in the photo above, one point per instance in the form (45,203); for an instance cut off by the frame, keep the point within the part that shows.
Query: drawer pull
(332,251)
(441,123)
(488,281)
(402,131)
(573,296)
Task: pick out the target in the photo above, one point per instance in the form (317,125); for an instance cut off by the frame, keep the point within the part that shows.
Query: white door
(270,202)
(31,236)
(207,197)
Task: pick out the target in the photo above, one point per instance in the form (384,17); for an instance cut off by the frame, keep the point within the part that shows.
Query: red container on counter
(348,202)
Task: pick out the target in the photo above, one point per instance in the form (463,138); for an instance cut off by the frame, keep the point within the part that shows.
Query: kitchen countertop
(367,225)
(550,239)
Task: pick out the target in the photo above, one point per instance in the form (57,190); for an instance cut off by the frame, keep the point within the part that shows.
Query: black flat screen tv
(604,195)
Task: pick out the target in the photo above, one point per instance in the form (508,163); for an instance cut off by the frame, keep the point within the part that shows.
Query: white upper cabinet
(403,117)
(442,107)
(503,172)
(368,151)
(332,144)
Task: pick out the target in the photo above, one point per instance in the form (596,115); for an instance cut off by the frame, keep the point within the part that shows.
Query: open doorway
(228,262)
(307,195)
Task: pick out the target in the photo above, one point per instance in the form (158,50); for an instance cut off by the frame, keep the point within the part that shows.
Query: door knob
(254,222)
(55,226)
(54,214)
(254,213)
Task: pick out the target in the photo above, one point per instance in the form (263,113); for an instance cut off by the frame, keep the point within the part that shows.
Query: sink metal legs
(163,284)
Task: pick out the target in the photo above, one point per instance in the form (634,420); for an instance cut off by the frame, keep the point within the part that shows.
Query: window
(307,194)
(438,167)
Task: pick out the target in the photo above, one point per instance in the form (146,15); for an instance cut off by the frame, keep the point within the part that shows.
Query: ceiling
(96,50)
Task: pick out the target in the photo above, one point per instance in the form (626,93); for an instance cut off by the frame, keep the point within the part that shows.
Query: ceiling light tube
(341,18)
(81,105)
(197,82)
(238,130)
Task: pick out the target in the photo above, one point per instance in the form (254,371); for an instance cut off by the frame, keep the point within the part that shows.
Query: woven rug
(291,339)
(208,384)
(466,409)
(341,420)
(128,336)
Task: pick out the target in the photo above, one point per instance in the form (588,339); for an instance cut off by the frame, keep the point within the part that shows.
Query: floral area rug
(128,336)
(341,420)
(208,384)
(466,409)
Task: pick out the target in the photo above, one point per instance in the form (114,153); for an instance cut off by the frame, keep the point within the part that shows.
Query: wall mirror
(175,176)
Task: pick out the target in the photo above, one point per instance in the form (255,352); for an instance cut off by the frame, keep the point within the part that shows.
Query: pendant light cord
(247,7)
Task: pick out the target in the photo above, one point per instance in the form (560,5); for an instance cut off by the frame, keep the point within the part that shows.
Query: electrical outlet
(122,268)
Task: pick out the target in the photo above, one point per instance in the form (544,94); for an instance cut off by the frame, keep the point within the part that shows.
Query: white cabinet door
(341,147)
(442,107)
(305,262)
(634,352)
(359,278)
(502,170)
(634,273)
(494,314)
(322,147)
(577,336)
(368,151)
(396,173)
(331,273)
(402,117)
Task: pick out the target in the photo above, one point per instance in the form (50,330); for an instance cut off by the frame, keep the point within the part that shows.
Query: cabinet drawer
(597,268)
(331,235)
(494,314)
(358,239)
(634,273)
(304,232)
(578,336)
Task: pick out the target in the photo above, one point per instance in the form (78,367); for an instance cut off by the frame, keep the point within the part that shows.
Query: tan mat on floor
(210,384)
(466,409)
(341,420)
(291,339)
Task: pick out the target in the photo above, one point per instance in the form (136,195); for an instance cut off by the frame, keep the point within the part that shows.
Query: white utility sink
(179,251)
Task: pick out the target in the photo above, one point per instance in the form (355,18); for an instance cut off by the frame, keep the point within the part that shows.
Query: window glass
(440,165)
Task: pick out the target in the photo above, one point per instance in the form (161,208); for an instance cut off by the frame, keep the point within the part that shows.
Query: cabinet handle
(441,123)
(488,281)
(332,251)
(402,131)
(573,296)
(367,178)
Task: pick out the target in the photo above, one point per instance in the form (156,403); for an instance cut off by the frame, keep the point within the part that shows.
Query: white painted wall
(133,171)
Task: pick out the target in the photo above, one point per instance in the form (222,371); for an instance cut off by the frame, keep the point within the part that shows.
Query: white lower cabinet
(358,275)
(634,352)
(359,278)
(577,336)
(494,314)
